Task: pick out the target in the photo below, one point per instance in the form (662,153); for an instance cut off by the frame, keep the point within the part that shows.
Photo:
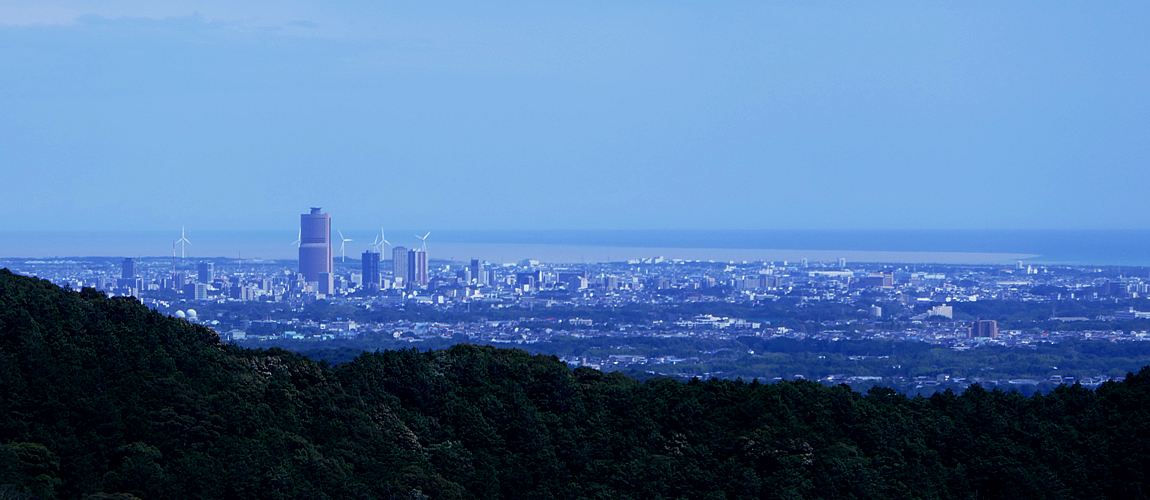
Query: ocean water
(1085,247)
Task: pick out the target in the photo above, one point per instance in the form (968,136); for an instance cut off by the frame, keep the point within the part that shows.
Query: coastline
(1101,248)
(574,254)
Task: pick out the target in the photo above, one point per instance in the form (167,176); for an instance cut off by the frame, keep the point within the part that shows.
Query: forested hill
(103,398)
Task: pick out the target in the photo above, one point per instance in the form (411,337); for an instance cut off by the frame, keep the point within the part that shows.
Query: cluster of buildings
(409,277)
(317,273)
(919,300)
(539,301)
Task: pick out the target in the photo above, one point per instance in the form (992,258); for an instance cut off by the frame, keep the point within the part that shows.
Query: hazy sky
(581,114)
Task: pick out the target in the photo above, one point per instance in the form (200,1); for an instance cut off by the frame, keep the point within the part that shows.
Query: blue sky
(119,115)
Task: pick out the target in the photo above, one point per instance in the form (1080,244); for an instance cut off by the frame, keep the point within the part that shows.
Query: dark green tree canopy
(102,398)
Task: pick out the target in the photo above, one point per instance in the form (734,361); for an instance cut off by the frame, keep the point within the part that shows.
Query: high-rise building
(399,265)
(478,275)
(877,280)
(984,328)
(610,282)
(417,267)
(129,269)
(179,279)
(315,244)
(944,310)
(370,277)
(206,272)
(529,278)
(326,284)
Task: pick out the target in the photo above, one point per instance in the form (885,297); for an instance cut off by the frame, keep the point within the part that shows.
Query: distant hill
(103,398)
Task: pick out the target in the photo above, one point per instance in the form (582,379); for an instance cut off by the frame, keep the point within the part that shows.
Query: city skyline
(650,249)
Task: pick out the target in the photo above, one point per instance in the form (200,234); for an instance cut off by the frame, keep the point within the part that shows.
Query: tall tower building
(370,262)
(315,244)
(478,275)
(129,269)
(417,267)
(399,265)
(206,272)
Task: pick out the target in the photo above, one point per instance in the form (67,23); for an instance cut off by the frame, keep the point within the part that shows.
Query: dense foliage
(101,397)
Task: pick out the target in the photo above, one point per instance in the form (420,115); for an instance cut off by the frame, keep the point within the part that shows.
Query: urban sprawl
(530,290)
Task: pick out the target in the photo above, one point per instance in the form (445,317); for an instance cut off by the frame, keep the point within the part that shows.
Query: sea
(1071,247)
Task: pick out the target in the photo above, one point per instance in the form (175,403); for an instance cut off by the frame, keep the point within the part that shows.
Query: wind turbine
(375,244)
(383,243)
(424,240)
(182,241)
(298,239)
(342,245)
